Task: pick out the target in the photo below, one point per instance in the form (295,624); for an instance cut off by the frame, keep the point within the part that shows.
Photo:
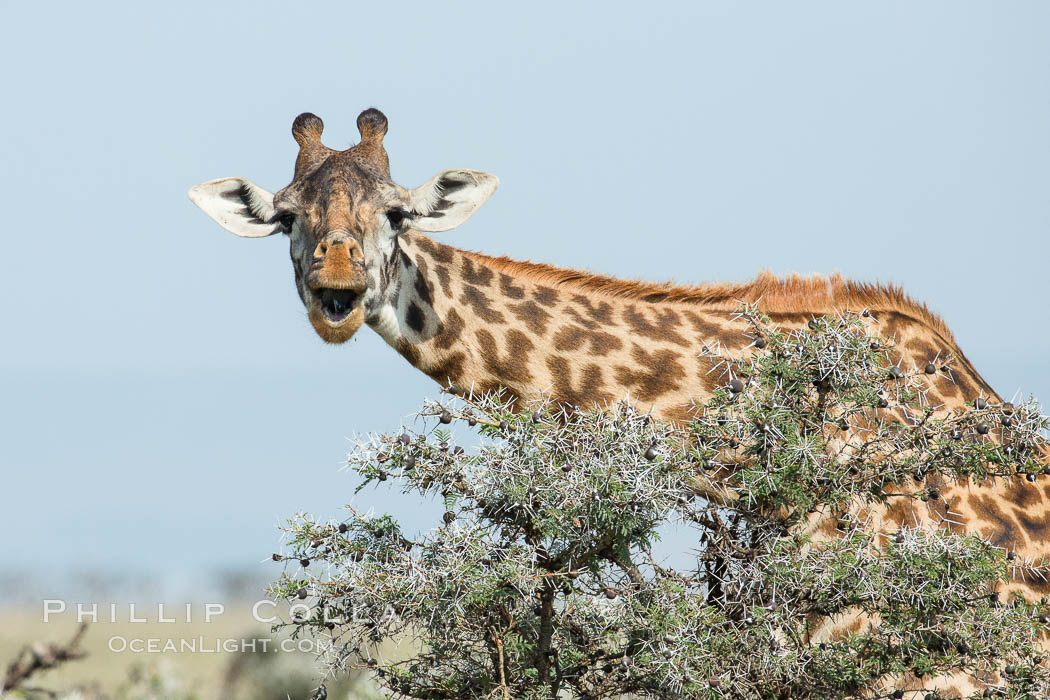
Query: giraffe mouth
(337,304)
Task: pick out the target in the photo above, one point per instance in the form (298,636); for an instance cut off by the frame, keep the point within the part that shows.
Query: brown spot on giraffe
(653,373)
(482,306)
(599,343)
(583,391)
(511,366)
(662,328)
(544,296)
(532,315)
(450,330)
(509,289)
(476,273)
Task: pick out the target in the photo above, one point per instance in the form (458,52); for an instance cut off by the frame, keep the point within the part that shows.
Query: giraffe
(475,323)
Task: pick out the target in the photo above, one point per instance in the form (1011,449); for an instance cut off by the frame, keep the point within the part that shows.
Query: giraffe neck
(466,323)
(478,324)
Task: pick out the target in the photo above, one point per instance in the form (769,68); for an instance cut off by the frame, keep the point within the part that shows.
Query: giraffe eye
(396,217)
(286,220)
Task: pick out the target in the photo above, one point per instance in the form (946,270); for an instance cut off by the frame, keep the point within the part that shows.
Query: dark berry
(760,343)
(1010,556)
(405,438)
(276,556)
(1030,477)
(956,434)
(410,462)
(1008,407)
(449,517)
(813,325)
(472,421)
(1045,619)
(897,694)
(934,494)
(1007,421)
(895,372)
(930,369)
(982,428)
(301,594)
(650,454)
(343,528)
(865,313)
(304,563)
(875,345)
(883,403)
(980,403)
(536,417)
(610,593)
(446,417)
(503,425)
(736,386)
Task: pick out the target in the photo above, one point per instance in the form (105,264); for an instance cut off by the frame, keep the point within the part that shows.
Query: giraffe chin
(336,333)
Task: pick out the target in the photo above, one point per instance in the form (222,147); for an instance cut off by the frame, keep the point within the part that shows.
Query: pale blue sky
(164,399)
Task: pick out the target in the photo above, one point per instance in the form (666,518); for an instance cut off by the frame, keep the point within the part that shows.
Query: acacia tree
(541,580)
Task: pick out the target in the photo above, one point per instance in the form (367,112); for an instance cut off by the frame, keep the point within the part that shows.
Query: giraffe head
(343,214)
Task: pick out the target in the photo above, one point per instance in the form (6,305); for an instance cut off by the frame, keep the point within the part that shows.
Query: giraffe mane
(815,294)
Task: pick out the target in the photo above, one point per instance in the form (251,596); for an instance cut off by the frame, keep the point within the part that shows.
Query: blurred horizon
(166,402)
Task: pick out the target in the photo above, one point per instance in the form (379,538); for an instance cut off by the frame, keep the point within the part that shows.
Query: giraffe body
(477,323)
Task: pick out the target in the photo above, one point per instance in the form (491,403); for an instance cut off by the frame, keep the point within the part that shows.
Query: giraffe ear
(449,198)
(239,206)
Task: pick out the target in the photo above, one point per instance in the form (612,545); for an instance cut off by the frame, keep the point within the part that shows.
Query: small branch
(41,657)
